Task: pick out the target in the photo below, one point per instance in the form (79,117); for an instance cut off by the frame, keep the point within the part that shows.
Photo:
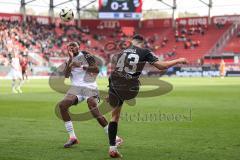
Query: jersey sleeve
(90,59)
(150,57)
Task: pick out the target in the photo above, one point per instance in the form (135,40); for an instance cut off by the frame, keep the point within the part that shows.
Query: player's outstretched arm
(163,65)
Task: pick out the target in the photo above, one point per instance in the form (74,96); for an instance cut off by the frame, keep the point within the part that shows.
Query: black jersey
(123,82)
(132,60)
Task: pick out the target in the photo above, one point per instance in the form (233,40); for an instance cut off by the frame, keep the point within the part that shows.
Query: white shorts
(15,74)
(83,93)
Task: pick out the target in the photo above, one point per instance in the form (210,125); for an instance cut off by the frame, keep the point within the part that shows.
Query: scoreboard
(120,9)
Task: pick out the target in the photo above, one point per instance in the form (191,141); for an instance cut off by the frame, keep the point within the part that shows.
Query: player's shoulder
(147,50)
(143,51)
(89,57)
(85,53)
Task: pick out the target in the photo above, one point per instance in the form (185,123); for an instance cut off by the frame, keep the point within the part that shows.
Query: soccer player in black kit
(124,83)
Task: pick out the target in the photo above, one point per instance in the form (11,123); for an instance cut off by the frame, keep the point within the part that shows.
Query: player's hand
(70,53)
(182,61)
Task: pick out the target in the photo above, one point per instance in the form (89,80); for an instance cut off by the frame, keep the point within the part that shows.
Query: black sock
(112,133)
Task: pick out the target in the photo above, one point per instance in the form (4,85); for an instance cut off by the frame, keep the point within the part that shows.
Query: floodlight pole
(23,8)
(209,5)
(173,7)
(209,11)
(51,10)
(78,13)
(79,9)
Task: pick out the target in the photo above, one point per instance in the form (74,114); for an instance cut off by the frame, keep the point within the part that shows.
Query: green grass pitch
(206,124)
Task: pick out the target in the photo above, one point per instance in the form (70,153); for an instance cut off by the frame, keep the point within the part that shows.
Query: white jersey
(15,69)
(16,64)
(80,77)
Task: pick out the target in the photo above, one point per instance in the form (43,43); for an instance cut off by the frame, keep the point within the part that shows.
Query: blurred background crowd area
(45,44)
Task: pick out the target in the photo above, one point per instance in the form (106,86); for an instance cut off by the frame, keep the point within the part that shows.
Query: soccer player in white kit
(82,70)
(16,74)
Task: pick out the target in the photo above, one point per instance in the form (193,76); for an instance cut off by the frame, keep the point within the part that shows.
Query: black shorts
(121,89)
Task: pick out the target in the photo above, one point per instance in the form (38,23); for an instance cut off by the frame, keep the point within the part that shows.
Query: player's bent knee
(63,106)
(92,102)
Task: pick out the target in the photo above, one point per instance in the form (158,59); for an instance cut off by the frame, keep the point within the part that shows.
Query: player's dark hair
(78,43)
(138,37)
(73,43)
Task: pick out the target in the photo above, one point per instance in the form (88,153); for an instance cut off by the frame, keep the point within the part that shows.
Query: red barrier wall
(156,23)
(226,19)
(192,21)
(110,23)
(11,17)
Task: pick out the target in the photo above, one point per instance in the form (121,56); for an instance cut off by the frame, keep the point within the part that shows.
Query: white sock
(70,130)
(21,83)
(18,86)
(113,148)
(106,129)
(13,84)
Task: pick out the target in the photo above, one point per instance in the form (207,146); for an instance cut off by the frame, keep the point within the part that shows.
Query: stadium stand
(192,41)
(233,44)
(199,43)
